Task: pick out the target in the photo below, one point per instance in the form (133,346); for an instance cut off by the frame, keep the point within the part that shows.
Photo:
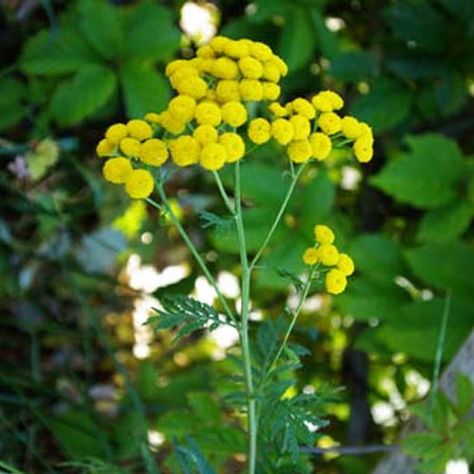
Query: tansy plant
(226,105)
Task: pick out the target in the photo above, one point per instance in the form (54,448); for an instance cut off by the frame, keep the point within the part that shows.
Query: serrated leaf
(84,94)
(427,176)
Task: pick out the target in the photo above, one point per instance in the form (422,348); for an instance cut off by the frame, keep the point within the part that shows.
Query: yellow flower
(250,68)
(170,124)
(351,127)
(363,150)
(250,89)
(183,73)
(234,146)
(304,108)
(271,72)
(259,131)
(173,66)
(213,156)
(224,68)
(205,52)
(116,132)
(139,184)
(271,91)
(310,256)
(260,51)
(330,123)
(205,134)
(282,131)
(280,64)
(105,147)
(323,234)
(234,113)
(116,170)
(327,101)
(208,113)
(227,90)
(195,87)
(139,129)
(328,254)
(153,152)
(336,281)
(219,43)
(153,117)
(182,108)
(345,264)
(185,150)
(301,127)
(277,110)
(320,145)
(130,146)
(238,49)
(299,151)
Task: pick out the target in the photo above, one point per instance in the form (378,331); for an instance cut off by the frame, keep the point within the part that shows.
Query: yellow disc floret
(270,91)
(225,68)
(320,145)
(182,108)
(277,110)
(115,133)
(185,150)
(259,131)
(345,264)
(336,281)
(170,124)
(330,123)
(363,149)
(301,127)
(213,156)
(105,147)
(116,170)
(282,131)
(351,127)
(139,184)
(250,68)
(153,152)
(251,89)
(304,108)
(195,87)
(205,134)
(139,129)
(227,90)
(234,113)
(311,256)
(234,146)
(328,254)
(323,234)
(130,146)
(208,113)
(299,151)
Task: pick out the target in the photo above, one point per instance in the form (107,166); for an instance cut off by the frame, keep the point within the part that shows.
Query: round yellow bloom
(213,156)
(277,109)
(153,152)
(260,51)
(271,72)
(330,123)
(259,131)
(301,127)
(139,184)
(234,113)
(336,282)
(116,170)
(170,124)
(238,49)
(116,132)
(323,234)
(250,68)
(184,72)
(366,131)
(153,117)
(205,134)
(345,264)
(320,145)
(250,89)
(336,100)
(328,254)
(299,151)
(139,129)
(224,68)
(363,150)
(234,146)
(182,108)
(208,113)
(173,66)
(185,150)
(219,43)
(105,147)
(282,131)
(280,64)
(271,91)
(351,127)
(227,90)
(304,108)
(310,256)
(130,146)
(205,52)
(327,101)
(195,87)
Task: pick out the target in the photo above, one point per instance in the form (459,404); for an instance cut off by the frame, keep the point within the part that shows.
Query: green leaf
(354,66)
(49,53)
(386,105)
(149,17)
(451,91)
(85,93)
(99,22)
(464,394)
(205,408)
(145,89)
(12,109)
(427,176)
(446,223)
(420,445)
(327,41)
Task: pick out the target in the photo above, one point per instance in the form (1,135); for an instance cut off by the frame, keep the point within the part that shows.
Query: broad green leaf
(145,90)
(385,106)
(354,66)
(204,407)
(451,92)
(446,223)
(415,67)
(49,53)
(427,176)
(464,394)
(78,98)
(99,22)
(447,266)
(150,32)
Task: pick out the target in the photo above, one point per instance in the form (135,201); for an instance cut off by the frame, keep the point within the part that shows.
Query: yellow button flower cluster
(326,253)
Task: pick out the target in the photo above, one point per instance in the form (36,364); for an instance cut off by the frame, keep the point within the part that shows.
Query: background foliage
(74,397)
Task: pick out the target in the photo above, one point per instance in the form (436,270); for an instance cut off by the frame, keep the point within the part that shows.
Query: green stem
(278,217)
(244,329)
(191,247)
(223,193)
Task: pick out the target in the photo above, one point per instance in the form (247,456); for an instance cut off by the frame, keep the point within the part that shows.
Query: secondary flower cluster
(307,128)
(324,252)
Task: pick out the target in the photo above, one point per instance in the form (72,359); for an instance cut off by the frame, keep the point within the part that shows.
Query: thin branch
(352,450)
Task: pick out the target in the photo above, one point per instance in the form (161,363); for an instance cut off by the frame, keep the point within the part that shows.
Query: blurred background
(82,381)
